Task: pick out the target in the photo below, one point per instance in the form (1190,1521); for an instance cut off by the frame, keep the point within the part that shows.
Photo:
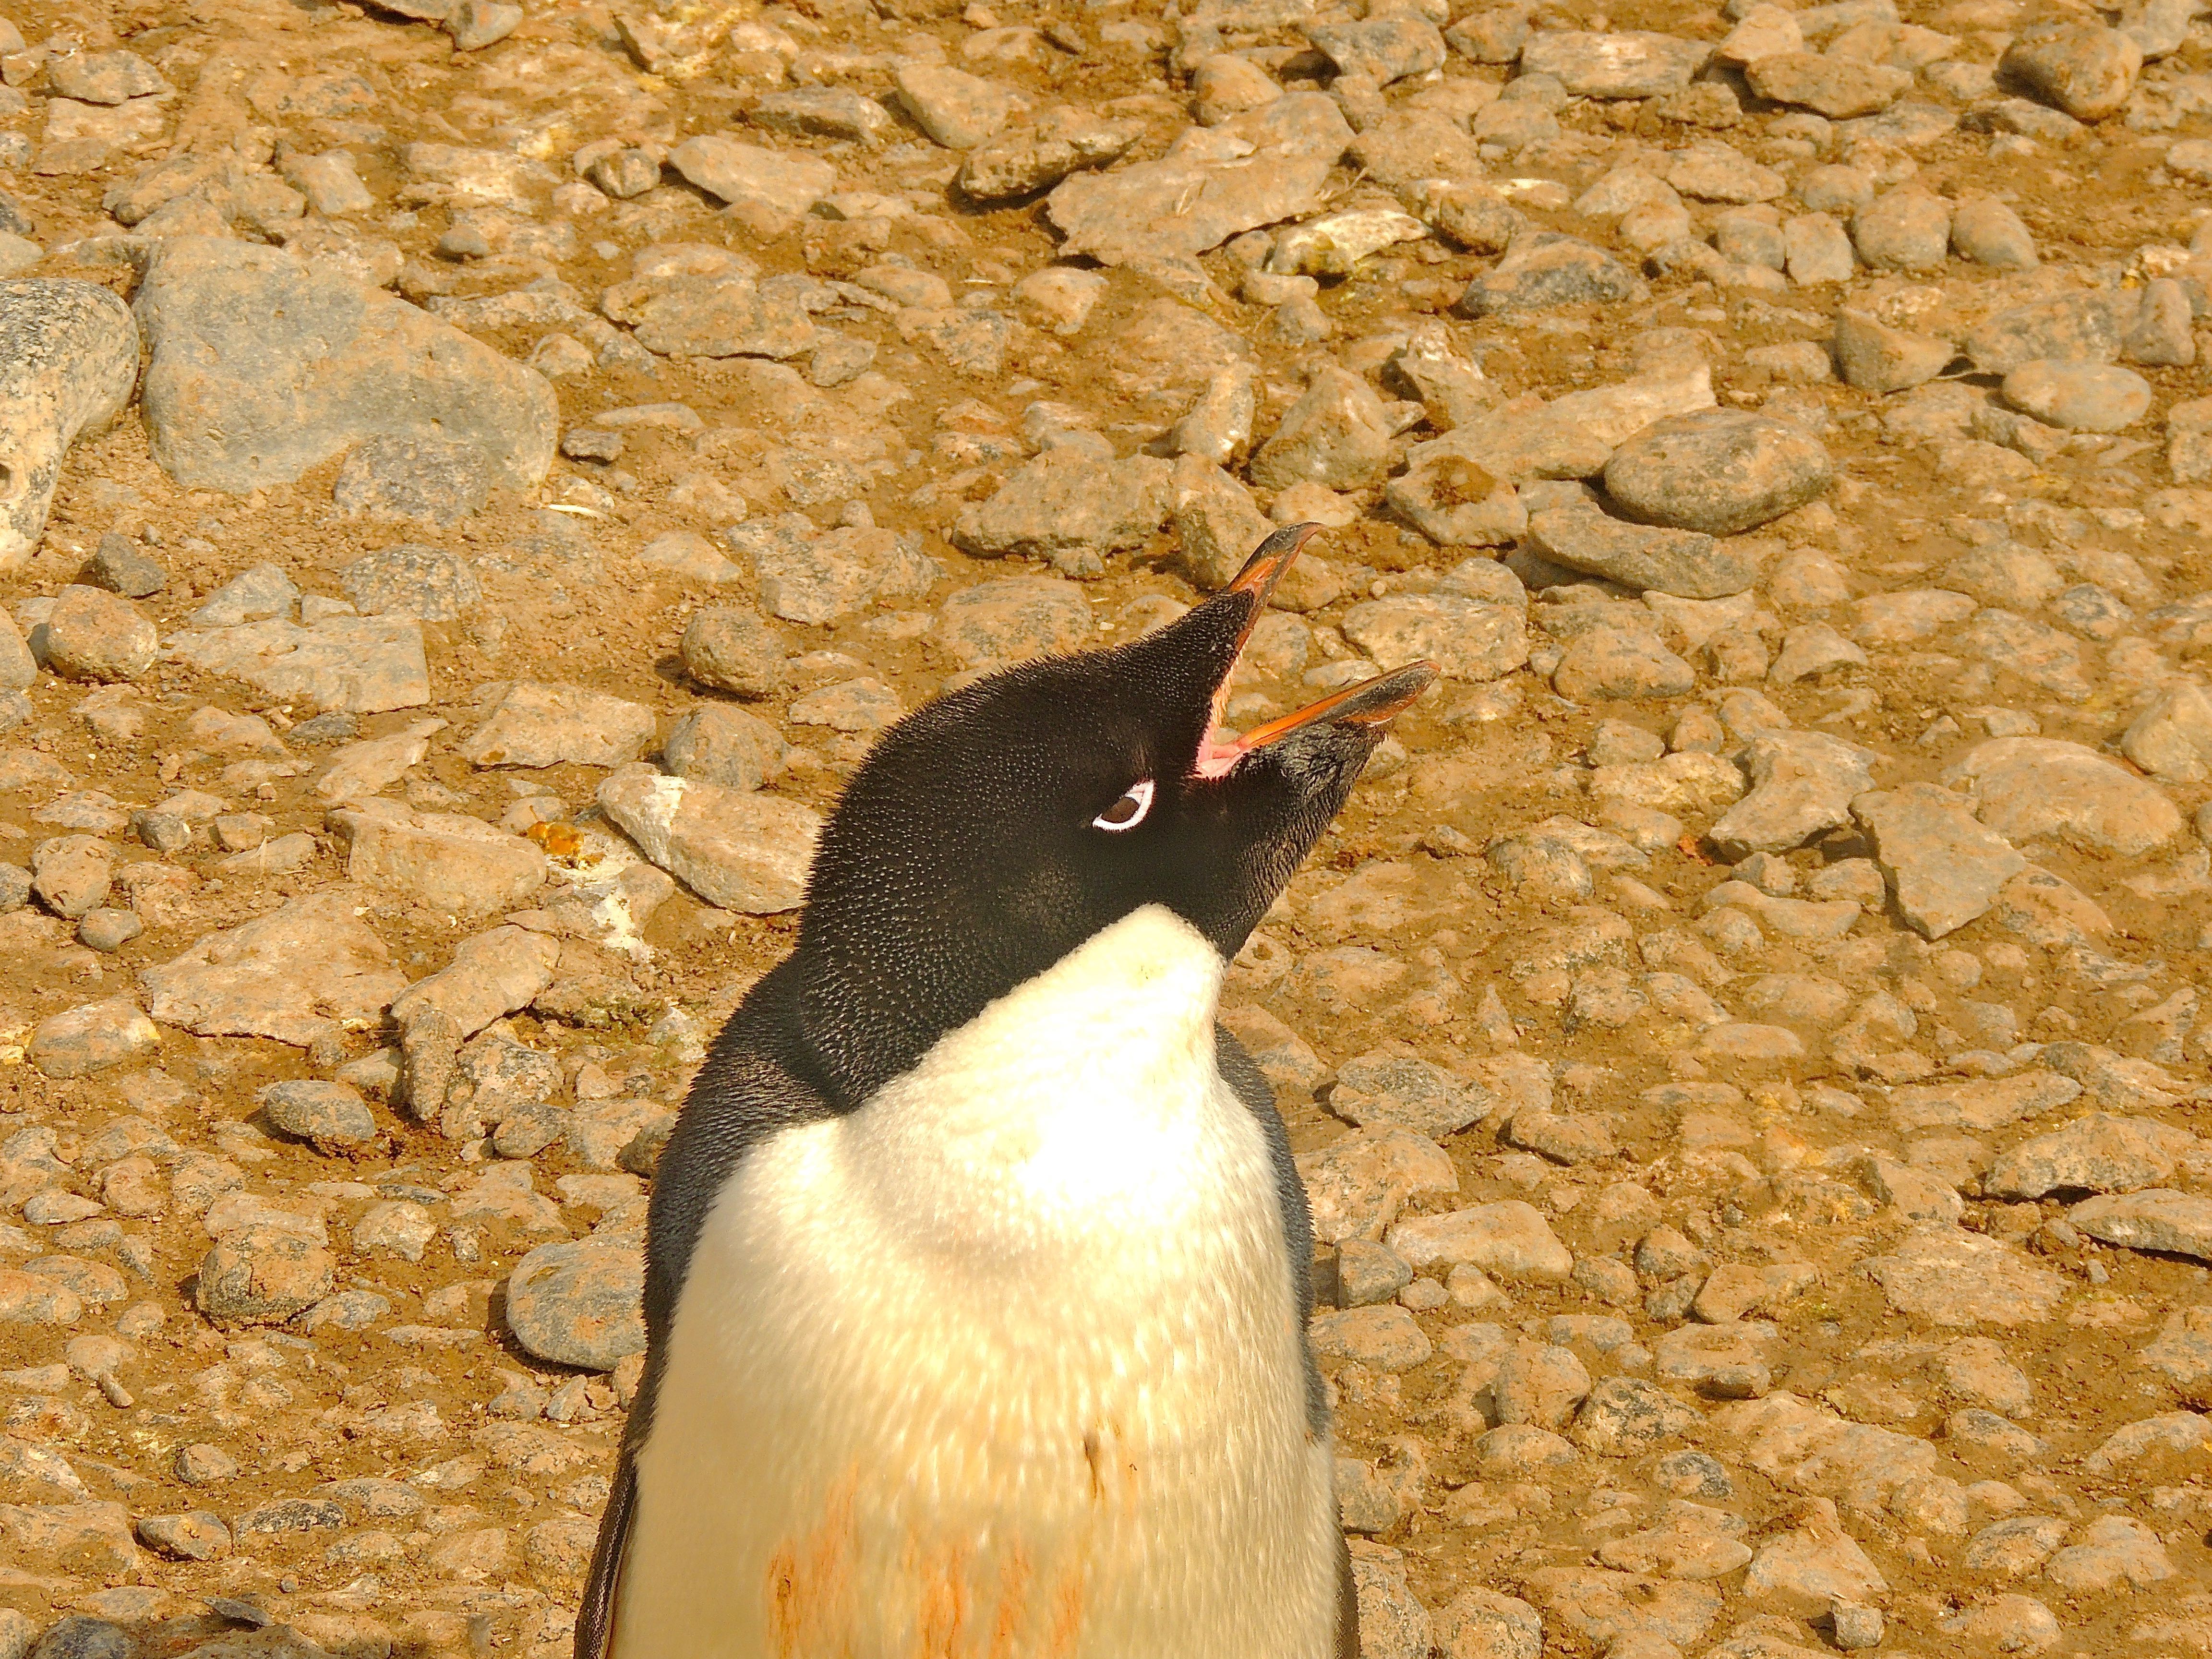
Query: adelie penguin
(977,1271)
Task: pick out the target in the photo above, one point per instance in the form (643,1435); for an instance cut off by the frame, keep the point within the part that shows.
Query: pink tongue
(1221,750)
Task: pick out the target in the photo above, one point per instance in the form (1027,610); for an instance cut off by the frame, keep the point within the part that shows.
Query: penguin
(977,1270)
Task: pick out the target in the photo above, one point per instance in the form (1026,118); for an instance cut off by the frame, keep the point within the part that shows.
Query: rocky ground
(1743,1039)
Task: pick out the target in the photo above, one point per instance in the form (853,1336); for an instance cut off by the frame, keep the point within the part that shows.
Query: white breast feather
(1004,1363)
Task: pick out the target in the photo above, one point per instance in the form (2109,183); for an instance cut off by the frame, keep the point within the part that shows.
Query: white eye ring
(1128,812)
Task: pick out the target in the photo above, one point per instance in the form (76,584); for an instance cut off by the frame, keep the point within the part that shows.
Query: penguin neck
(869,1021)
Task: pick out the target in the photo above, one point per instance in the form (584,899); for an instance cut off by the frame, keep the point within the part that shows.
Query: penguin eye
(1128,812)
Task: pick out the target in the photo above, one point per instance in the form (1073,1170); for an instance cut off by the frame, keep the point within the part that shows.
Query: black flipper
(1348,1604)
(595,1618)
(755,1084)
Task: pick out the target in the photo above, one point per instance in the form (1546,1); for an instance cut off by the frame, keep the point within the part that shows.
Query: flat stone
(1543,272)
(731,649)
(1634,64)
(297,974)
(350,665)
(2171,738)
(411,579)
(92,634)
(392,476)
(1982,1104)
(1685,562)
(2158,1219)
(1385,1337)
(2077,327)
(331,1115)
(95,1037)
(745,852)
(1571,436)
(956,109)
(1603,664)
(1718,472)
(1260,167)
(2102,1152)
(538,725)
(1509,1240)
(711,314)
(726,747)
(1381,49)
(1013,618)
(264,367)
(1025,160)
(2086,70)
(1381,1091)
(1838,87)
(1467,639)
(1945,869)
(2024,787)
(1802,783)
(580,1303)
(1337,434)
(1951,1278)
(1070,509)
(1359,1183)
(786,181)
(1988,232)
(2078,397)
(841,573)
(69,360)
(1627,1416)
(1807,1569)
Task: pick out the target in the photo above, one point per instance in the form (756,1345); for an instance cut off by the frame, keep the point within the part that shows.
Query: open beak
(1370,704)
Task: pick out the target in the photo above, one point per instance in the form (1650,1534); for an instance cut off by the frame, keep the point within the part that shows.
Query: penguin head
(994,830)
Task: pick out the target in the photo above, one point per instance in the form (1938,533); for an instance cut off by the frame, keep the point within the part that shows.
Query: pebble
(1838,87)
(744,851)
(235,410)
(729,648)
(781,181)
(1907,228)
(263,1275)
(331,1115)
(579,1303)
(1718,472)
(117,566)
(1071,509)
(2086,69)
(1634,64)
(1543,272)
(2078,397)
(71,355)
(1989,232)
(1945,869)
(1874,357)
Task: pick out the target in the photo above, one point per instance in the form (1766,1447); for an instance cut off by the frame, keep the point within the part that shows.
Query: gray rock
(1815,248)
(1951,1278)
(1381,49)
(2163,330)
(79,1637)
(1016,618)
(1874,357)
(745,852)
(411,579)
(1944,868)
(1802,783)
(71,873)
(263,366)
(331,1116)
(1337,434)
(1907,228)
(1627,1416)
(293,975)
(263,1274)
(731,649)
(1393,1623)
(108,930)
(2079,327)
(1509,1240)
(1385,1337)
(1384,1091)
(1605,663)
(412,477)
(2080,397)
(2101,1153)
(2025,787)
(1718,471)
(257,592)
(1071,509)
(68,359)
(92,634)
(351,665)
(1638,65)
(803,112)
(723,313)
(1685,562)
(1062,140)
(786,181)
(725,747)
(580,1303)
(1467,639)
(104,77)
(1988,232)
(120,568)
(2085,69)
(958,110)
(1542,271)
(195,1536)
(446,861)
(826,578)
(95,1037)
(1836,86)
(2172,738)
(1260,168)
(2156,1220)
(1368,1273)
(535,724)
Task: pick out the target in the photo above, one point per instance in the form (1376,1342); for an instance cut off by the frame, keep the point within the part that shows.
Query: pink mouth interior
(1223,748)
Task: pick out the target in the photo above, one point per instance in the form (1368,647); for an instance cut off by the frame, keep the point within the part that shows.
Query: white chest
(1004,1363)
